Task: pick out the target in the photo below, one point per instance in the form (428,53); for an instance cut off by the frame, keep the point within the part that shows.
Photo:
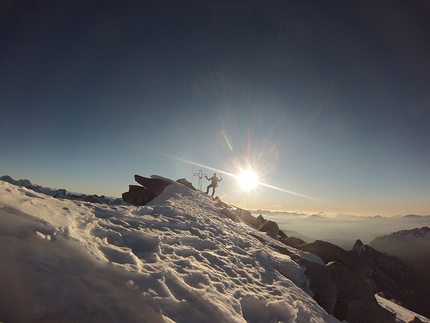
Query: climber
(214,183)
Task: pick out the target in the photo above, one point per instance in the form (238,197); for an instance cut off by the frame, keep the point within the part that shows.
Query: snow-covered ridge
(62,193)
(415,234)
(176,259)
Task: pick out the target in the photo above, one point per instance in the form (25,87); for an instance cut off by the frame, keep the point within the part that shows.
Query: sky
(327,101)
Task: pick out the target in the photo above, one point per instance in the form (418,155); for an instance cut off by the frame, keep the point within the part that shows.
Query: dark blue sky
(329,99)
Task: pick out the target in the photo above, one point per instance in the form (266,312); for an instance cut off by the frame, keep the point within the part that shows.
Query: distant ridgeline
(62,193)
(345,285)
(413,248)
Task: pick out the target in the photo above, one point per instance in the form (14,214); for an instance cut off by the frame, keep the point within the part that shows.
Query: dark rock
(359,311)
(282,234)
(137,195)
(183,181)
(261,219)
(348,285)
(61,193)
(356,302)
(321,284)
(357,246)
(270,227)
(230,214)
(384,273)
(396,279)
(247,217)
(413,248)
(21,182)
(150,189)
(155,186)
(330,252)
(292,241)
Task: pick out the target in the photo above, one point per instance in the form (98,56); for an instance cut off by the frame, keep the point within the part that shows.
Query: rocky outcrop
(150,189)
(352,297)
(321,284)
(292,241)
(355,301)
(270,227)
(396,279)
(359,274)
(330,252)
(230,214)
(188,184)
(247,217)
(155,185)
(137,195)
(410,246)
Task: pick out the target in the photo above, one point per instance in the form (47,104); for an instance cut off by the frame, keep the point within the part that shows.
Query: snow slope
(402,314)
(177,259)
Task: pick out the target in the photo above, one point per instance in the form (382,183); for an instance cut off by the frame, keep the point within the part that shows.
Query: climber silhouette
(214,183)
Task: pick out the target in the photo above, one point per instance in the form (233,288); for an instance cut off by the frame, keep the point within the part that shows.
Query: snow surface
(402,314)
(177,259)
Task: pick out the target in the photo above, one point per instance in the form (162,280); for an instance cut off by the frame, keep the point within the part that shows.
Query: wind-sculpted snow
(177,259)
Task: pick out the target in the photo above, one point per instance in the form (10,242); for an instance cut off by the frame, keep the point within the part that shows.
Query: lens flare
(257,182)
(247,179)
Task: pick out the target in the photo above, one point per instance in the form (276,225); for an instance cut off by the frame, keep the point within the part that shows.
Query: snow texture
(177,259)
(402,314)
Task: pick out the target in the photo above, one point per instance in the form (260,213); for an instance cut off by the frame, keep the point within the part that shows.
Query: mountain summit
(178,258)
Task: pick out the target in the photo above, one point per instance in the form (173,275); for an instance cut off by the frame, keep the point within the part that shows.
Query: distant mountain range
(62,193)
(411,246)
(324,215)
(344,229)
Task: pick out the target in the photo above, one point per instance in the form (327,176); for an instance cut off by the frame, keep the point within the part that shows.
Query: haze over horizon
(328,102)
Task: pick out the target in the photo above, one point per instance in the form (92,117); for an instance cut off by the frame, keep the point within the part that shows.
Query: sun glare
(247,179)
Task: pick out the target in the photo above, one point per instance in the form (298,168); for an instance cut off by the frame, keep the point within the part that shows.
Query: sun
(247,179)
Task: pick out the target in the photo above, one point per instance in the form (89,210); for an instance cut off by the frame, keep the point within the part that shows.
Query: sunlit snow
(177,259)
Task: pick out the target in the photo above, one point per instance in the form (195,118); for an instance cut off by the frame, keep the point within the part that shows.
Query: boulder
(270,227)
(230,214)
(348,285)
(356,302)
(150,189)
(282,234)
(359,311)
(321,284)
(261,219)
(291,241)
(137,195)
(247,217)
(360,267)
(188,184)
(155,186)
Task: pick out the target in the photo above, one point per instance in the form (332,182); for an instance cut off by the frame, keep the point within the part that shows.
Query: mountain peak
(181,255)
